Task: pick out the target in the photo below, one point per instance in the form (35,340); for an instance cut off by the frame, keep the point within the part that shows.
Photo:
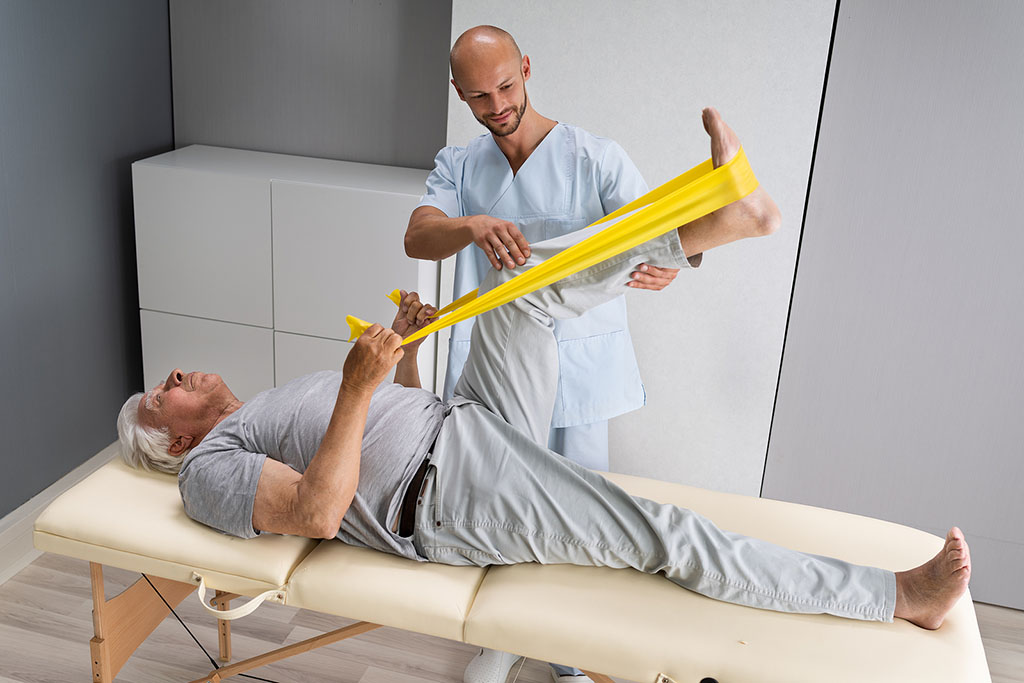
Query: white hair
(145,447)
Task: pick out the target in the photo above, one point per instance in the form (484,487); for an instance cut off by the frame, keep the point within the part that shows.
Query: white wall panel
(709,347)
(296,355)
(240,354)
(358,259)
(203,243)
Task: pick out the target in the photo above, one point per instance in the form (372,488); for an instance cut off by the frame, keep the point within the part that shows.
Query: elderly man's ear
(180,445)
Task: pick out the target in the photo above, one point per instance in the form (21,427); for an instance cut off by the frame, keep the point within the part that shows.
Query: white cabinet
(203,243)
(297,355)
(249,262)
(242,354)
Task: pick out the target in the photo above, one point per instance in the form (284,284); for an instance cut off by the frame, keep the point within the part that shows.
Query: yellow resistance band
(696,193)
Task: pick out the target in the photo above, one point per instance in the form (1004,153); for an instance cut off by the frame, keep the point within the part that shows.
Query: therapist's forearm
(435,236)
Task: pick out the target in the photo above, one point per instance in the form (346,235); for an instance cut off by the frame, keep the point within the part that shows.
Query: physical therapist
(531,179)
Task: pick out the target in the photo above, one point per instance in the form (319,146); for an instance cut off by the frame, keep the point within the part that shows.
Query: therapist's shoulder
(592,147)
(453,155)
(597,155)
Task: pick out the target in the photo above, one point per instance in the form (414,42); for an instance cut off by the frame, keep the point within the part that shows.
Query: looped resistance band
(698,192)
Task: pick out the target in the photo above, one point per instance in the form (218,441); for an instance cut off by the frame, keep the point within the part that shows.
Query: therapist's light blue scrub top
(570,180)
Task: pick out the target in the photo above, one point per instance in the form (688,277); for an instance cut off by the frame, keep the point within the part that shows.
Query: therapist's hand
(651,277)
(500,241)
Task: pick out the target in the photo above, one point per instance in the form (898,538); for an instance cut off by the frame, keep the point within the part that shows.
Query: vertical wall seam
(170,70)
(273,309)
(803,224)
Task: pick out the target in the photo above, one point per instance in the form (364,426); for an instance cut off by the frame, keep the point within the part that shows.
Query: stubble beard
(511,126)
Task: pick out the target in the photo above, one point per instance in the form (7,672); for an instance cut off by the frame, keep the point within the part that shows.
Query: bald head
(483,45)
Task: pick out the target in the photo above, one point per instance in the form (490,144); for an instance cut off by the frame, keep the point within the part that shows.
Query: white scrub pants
(585,445)
(493,496)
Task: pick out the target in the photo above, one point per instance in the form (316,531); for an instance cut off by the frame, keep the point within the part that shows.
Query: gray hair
(145,447)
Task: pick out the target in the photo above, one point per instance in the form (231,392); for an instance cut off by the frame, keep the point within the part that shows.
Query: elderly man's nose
(174,379)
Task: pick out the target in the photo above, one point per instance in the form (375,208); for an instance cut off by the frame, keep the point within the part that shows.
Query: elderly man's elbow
(322,526)
(327,524)
(325,531)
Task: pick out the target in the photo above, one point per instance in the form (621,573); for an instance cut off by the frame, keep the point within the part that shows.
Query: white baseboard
(16,548)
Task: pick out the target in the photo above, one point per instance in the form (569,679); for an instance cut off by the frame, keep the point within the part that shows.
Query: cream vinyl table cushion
(135,520)
(386,589)
(628,624)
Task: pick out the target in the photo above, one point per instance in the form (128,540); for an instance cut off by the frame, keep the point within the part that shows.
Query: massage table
(610,622)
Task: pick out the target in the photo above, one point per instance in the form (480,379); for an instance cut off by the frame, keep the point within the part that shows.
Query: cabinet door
(241,354)
(296,355)
(203,242)
(340,251)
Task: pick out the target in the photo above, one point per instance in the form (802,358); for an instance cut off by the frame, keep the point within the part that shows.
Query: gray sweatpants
(492,495)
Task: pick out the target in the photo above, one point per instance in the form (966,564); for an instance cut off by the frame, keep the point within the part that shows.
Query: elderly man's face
(187,404)
(494,87)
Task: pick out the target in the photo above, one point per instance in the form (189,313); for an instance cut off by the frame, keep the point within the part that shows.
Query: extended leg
(529,505)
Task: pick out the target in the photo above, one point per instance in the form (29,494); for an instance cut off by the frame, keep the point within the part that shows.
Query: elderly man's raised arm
(313,504)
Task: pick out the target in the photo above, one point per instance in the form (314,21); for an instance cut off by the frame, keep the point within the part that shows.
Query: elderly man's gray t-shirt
(218,478)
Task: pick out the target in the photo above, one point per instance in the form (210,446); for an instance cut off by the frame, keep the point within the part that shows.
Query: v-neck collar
(509,178)
(540,144)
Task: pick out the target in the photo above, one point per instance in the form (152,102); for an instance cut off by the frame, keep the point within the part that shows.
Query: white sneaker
(568,678)
(490,666)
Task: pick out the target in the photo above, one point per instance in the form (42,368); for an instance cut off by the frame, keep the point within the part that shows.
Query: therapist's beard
(511,126)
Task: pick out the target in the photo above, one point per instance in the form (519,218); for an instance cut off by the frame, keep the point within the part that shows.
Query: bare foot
(925,594)
(761,215)
(724,143)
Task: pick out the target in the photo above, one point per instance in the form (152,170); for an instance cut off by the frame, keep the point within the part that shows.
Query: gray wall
(358,81)
(84,91)
(902,382)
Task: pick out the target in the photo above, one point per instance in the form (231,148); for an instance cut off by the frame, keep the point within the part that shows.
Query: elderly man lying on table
(391,467)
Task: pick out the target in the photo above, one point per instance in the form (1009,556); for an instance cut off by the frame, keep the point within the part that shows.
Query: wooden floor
(46,624)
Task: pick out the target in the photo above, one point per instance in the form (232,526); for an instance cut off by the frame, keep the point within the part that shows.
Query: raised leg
(755,215)
(512,367)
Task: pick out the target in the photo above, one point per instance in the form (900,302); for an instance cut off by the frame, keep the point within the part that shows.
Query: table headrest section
(135,520)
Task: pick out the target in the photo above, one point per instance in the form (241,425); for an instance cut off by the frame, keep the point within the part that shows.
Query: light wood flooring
(46,624)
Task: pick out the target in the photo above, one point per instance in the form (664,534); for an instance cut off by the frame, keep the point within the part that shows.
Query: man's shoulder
(590,147)
(586,140)
(456,153)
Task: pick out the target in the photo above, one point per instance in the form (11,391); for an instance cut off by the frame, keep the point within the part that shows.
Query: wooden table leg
(123,622)
(223,602)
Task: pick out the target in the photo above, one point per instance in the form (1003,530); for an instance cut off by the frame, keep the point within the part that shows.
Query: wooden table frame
(122,623)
